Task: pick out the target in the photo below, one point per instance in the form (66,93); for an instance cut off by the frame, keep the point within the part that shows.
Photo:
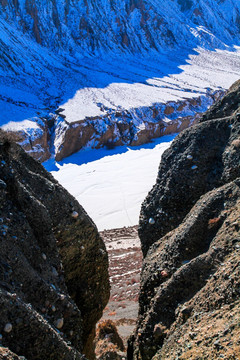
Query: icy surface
(202,70)
(112,188)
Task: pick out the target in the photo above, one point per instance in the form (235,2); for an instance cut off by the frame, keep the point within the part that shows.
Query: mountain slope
(125,26)
(84,73)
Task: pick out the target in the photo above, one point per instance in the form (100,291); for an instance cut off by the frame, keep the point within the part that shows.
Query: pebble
(164,273)
(151,221)
(59,323)
(217,343)
(189,157)
(53,308)
(194,167)
(8,328)
(3,185)
(75,214)
(44,256)
(54,271)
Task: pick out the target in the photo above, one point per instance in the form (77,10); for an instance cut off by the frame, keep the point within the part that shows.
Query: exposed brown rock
(118,127)
(169,110)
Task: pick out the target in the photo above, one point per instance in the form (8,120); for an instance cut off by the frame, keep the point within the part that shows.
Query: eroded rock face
(135,26)
(226,106)
(189,230)
(201,158)
(130,127)
(189,298)
(54,277)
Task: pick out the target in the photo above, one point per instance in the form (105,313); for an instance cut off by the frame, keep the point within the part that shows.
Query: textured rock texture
(6,354)
(54,266)
(226,106)
(135,26)
(189,296)
(123,127)
(201,158)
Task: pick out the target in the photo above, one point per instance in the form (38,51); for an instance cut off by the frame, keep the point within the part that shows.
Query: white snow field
(112,188)
(137,84)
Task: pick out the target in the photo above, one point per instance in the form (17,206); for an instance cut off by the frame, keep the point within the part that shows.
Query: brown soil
(125,262)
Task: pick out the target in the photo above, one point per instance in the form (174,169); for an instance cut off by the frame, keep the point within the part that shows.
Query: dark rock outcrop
(189,230)
(54,266)
(226,106)
(201,158)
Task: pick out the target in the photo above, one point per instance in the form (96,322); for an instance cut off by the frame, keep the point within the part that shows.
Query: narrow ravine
(125,263)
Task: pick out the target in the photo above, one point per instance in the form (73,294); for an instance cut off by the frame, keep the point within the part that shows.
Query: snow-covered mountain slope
(86,73)
(125,25)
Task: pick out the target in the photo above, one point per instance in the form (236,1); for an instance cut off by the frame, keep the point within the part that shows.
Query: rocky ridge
(136,26)
(54,265)
(189,231)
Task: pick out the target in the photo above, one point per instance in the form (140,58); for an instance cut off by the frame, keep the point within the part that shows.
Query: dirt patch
(125,262)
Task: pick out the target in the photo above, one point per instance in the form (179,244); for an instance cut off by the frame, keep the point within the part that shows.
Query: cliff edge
(189,231)
(54,265)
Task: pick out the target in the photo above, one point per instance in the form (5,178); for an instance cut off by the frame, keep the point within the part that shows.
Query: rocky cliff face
(134,127)
(189,230)
(125,26)
(54,266)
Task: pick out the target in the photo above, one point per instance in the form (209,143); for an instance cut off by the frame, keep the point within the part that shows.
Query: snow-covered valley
(111,184)
(85,74)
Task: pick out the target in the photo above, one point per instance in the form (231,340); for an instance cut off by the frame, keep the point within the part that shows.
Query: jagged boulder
(189,231)
(54,266)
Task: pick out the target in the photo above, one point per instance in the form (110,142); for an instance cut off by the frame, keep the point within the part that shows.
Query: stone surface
(46,256)
(189,230)
(182,181)
(191,276)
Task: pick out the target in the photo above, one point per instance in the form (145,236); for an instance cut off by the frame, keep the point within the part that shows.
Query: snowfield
(128,84)
(112,188)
